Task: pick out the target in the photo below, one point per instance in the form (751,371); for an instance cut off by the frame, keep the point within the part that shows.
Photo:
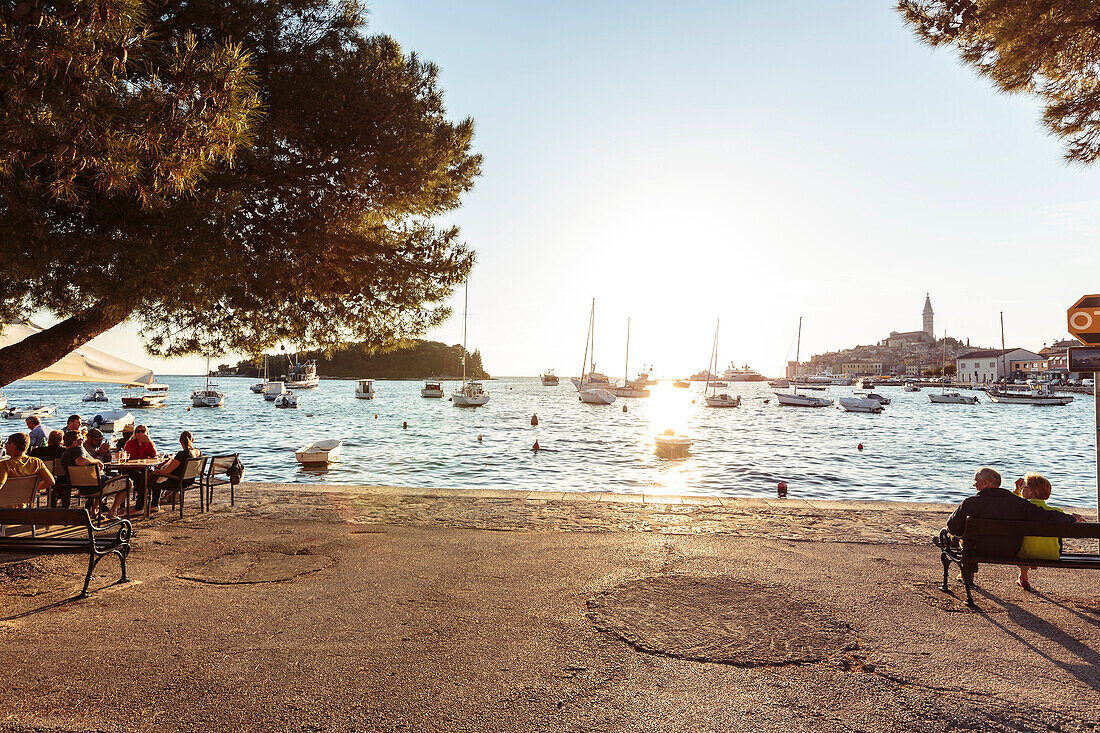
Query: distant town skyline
(750,162)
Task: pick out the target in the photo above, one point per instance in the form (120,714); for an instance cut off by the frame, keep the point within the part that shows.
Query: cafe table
(144,466)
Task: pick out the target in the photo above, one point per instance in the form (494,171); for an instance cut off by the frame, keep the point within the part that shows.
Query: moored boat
(671,445)
(910,387)
(470,394)
(287,400)
(272,390)
(364,389)
(142,396)
(207,395)
(794,399)
(596,396)
(860,404)
(433,390)
(549,379)
(1028,397)
(302,376)
(112,421)
(681,384)
(711,395)
(95,395)
(22,413)
(323,451)
(952,398)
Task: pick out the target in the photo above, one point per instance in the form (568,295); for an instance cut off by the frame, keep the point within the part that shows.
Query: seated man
(77,455)
(38,433)
(96,446)
(19,464)
(993,502)
(74,423)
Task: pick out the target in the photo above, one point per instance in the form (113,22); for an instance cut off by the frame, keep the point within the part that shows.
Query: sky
(753,162)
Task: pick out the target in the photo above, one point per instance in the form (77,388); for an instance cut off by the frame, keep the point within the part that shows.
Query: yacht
(432,389)
(793,398)
(742,374)
(470,394)
(364,389)
(637,387)
(208,395)
(592,386)
(140,396)
(1039,396)
(711,395)
(549,379)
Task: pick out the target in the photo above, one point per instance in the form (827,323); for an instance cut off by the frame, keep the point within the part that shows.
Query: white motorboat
(549,379)
(287,400)
(323,451)
(22,413)
(781,383)
(112,421)
(1039,396)
(910,387)
(716,398)
(95,395)
(952,398)
(671,445)
(207,395)
(596,396)
(860,404)
(141,396)
(873,396)
(433,390)
(272,390)
(635,388)
(794,399)
(470,394)
(364,389)
(593,388)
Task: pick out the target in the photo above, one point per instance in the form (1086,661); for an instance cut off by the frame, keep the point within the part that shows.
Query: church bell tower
(928,328)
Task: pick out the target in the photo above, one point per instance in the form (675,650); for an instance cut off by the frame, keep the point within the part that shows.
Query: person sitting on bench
(993,502)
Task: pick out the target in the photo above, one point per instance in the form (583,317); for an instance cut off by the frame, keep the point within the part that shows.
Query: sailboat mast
(798,347)
(943,366)
(1004,366)
(465,309)
(592,336)
(587,341)
(626,364)
(713,363)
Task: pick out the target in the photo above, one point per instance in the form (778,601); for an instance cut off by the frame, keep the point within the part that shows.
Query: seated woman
(141,446)
(52,449)
(175,467)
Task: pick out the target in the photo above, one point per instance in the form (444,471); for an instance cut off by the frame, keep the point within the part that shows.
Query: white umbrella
(85,364)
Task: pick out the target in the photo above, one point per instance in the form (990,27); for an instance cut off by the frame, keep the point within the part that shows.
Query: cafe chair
(218,474)
(191,478)
(18,492)
(90,483)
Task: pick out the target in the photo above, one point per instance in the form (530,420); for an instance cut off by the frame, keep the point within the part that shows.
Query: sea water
(912,451)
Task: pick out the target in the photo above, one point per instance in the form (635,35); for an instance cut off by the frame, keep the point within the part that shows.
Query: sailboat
(793,398)
(208,396)
(945,397)
(592,386)
(258,387)
(1027,396)
(635,388)
(470,394)
(715,398)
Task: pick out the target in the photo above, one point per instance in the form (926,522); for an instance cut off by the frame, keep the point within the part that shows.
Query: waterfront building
(861,368)
(987,365)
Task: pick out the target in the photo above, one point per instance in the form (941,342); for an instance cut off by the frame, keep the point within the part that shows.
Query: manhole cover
(719,620)
(256,567)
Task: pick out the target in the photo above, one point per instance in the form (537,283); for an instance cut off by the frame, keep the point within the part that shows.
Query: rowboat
(323,451)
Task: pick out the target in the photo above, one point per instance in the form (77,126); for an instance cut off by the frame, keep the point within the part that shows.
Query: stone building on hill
(926,335)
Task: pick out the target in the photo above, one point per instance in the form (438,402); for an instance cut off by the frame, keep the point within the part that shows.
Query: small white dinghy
(287,399)
(95,395)
(671,445)
(323,451)
(112,421)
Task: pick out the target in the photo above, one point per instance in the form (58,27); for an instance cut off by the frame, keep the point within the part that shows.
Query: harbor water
(913,451)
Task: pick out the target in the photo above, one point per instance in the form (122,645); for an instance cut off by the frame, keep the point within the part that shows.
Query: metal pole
(1096,413)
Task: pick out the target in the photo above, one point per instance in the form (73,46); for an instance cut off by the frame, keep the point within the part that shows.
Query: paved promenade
(376,609)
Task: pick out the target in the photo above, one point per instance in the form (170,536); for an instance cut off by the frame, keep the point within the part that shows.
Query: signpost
(1083,318)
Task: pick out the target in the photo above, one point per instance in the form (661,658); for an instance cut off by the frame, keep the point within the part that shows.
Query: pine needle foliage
(1047,49)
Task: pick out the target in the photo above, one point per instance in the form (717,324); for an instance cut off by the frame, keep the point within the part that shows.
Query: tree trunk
(40,350)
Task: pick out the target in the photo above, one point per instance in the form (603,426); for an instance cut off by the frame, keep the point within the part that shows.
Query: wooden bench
(96,544)
(952,552)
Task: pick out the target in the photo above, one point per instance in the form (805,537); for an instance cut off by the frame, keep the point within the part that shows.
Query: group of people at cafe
(27,454)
